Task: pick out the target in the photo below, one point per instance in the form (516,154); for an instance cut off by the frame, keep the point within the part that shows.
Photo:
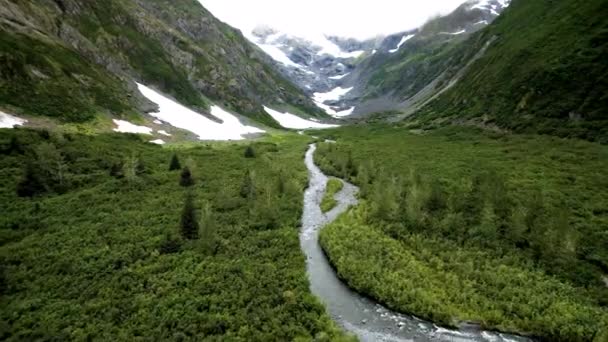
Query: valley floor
(107,249)
(109,237)
(460,225)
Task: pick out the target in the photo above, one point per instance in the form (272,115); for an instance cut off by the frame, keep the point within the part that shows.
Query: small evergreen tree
(248,186)
(249,152)
(170,244)
(207,229)
(189,222)
(186,178)
(31,184)
(175,164)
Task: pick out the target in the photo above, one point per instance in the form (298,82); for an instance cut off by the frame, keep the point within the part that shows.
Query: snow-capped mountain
(317,64)
(334,71)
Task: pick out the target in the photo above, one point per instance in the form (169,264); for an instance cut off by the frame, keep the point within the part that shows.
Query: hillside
(413,64)
(545,72)
(81,58)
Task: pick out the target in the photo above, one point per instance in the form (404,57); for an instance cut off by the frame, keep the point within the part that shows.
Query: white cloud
(358,19)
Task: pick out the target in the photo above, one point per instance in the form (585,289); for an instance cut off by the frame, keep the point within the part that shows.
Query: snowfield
(123,126)
(158,142)
(179,116)
(403,40)
(292,121)
(10,121)
(333,95)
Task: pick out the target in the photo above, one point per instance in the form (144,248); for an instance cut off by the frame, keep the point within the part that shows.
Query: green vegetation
(97,251)
(459,224)
(64,84)
(333,187)
(545,73)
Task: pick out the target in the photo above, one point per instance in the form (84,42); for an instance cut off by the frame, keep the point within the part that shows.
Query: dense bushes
(332,188)
(106,259)
(504,216)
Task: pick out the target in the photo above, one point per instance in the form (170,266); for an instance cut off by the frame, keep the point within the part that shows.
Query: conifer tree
(249,152)
(189,222)
(186,178)
(175,164)
(248,186)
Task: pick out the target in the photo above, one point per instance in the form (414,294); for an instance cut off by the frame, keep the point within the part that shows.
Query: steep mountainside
(417,61)
(546,71)
(79,58)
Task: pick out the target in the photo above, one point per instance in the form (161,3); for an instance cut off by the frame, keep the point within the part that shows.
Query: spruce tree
(189,222)
(249,152)
(248,186)
(186,178)
(175,164)
(31,184)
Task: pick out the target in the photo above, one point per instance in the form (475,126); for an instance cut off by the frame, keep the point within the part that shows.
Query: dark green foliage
(174,164)
(170,245)
(105,261)
(31,184)
(249,152)
(186,179)
(464,225)
(189,221)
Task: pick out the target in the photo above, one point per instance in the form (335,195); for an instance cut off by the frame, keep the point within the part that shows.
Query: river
(354,313)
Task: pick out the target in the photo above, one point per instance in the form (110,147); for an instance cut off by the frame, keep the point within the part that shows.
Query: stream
(356,314)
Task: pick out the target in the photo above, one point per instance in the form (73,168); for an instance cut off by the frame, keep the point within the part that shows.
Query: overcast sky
(348,18)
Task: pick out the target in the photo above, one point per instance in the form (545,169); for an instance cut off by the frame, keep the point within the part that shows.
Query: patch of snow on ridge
(454,33)
(158,142)
(10,121)
(403,40)
(339,77)
(289,120)
(344,112)
(163,132)
(179,116)
(332,95)
(278,55)
(127,127)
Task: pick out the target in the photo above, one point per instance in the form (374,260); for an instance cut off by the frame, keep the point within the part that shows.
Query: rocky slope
(79,58)
(411,66)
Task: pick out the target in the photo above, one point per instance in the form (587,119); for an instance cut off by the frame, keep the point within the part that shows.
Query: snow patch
(332,95)
(181,117)
(127,127)
(163,132)
(344,113)
(339,77)
(403,40)
(158,122)
(454,33)
(158,142)
(289,120)
(10,121)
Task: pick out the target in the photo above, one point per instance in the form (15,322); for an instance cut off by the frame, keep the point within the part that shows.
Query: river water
(354,313)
